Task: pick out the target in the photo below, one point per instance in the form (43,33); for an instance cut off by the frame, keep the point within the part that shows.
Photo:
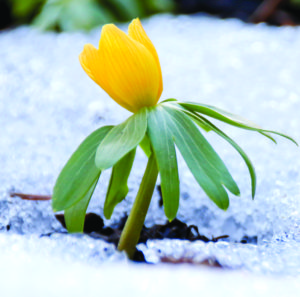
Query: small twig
(215,239)
(265,10)
(31,197)
(212,262)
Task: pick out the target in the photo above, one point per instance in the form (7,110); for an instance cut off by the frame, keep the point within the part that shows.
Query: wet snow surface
(48,105)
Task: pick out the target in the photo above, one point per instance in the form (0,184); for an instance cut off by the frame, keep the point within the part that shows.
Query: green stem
(134,224)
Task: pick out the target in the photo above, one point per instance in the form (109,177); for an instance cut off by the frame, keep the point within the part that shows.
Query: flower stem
(134,224)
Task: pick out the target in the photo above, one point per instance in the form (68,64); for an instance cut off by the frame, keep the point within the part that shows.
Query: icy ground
(48,105)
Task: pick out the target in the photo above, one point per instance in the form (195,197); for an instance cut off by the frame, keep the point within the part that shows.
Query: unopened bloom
(126,66)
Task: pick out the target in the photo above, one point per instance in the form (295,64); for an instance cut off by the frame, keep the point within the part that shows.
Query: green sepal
(122,139)
(231,119)
(204,163)
(118,189)
(79,173)
(75,215)
(164,150)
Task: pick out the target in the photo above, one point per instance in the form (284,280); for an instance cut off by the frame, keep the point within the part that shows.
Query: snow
(49,105)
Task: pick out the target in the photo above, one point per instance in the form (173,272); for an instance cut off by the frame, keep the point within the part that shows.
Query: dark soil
(94,227)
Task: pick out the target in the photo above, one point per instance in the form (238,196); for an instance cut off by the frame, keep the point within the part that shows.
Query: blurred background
(68,15)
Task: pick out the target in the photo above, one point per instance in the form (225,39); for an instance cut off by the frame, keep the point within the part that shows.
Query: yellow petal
(137,32)
(123,68)
(90,60)
(128,69)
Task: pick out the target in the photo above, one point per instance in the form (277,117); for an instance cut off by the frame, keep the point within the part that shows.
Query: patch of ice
(60,247)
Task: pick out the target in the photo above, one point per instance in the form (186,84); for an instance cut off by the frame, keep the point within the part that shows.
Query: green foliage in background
(295,3)
(24,11)
(69,15)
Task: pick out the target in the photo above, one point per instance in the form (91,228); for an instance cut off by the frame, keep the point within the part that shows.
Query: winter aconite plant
(128,69)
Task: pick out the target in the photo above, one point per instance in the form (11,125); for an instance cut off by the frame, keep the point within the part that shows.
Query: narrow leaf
(193,115)
(220,114)
(75,215)
(118,189)
(169,100)
(211,156)
(164,150)
(121,140)
(80,172)
(198,155)
(231,119)
(202,120)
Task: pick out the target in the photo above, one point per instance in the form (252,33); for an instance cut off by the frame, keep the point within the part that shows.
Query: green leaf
(164,150)
(231,119)
(24,9)
(169,100)
(75,215)
(128,9)
(121,140)
(208,152)
(146,146)
(200,119)
(47,18)
(72,15)
(118,189)
(82,15)
(193,115)
(206,166)
(160,5)
(80,172)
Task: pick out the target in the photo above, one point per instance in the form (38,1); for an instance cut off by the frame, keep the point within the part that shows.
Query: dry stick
(31,197)
(265,10)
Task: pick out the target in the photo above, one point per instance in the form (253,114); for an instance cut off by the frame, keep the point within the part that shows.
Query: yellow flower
(125,66)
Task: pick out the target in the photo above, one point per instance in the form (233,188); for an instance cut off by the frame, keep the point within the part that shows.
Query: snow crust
(48,105)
